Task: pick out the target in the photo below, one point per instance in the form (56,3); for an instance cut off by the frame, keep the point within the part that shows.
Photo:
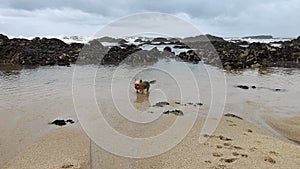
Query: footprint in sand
(237,147)
(244,155)
(235,153)
(273,152)
(252,149)
(217,154)
(224,138)
(270,160)
(228,160)
(238,154)
(220,166)
(207,161)
(227,144)
(70,166)
(230,121)
(219,146)
(249,130)
(258,142)
(232,124)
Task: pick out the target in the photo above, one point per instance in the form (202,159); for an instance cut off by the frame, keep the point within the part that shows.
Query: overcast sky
(227,18)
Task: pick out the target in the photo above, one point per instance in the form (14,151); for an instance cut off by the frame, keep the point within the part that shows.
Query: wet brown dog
(141,85)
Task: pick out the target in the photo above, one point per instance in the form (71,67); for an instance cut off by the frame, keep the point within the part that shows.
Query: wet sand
(65,147)
(288,127)
(235,144)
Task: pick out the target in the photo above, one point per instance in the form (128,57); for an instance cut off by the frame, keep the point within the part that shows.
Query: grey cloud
(225,18)
(196,8)
(154,23)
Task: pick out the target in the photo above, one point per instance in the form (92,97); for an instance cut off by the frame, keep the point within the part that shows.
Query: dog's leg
(147,88)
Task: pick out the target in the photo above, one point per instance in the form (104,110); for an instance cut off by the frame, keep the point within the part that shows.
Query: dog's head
(137,84)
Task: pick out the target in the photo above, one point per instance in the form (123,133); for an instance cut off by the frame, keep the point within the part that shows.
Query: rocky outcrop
(92,53)
(146,57)
(234,56)
(37,51)
(111,40)
(117,54)
(203,38)
(243,55)
(189,56)
(209,49)
(160,40)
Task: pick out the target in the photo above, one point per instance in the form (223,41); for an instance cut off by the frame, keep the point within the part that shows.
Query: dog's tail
(152,81)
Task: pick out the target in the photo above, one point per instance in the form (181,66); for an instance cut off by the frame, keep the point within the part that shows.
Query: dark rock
(160,40)
(176,112)
(70,121)
(116,54)
(3,39)
(146,57)
(189,56)
(175,41)
(161,104)
(203,38)
(243,87)
(62,122)
(192,104)
(166,112)
(59,122)
(232,115)
(107,39)
(138,40)
(167,49)
(122,41)
(199,104)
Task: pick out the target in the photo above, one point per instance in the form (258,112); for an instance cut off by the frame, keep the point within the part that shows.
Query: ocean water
(31,98)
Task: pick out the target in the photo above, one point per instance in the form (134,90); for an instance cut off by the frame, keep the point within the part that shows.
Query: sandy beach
(235,144)
(66,147)
(288,127)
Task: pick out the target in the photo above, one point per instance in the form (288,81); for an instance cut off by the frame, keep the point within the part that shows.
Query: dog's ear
(141,81)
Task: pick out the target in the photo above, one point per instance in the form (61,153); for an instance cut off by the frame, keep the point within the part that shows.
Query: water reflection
(142,101)
(9,75)
(142,97)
